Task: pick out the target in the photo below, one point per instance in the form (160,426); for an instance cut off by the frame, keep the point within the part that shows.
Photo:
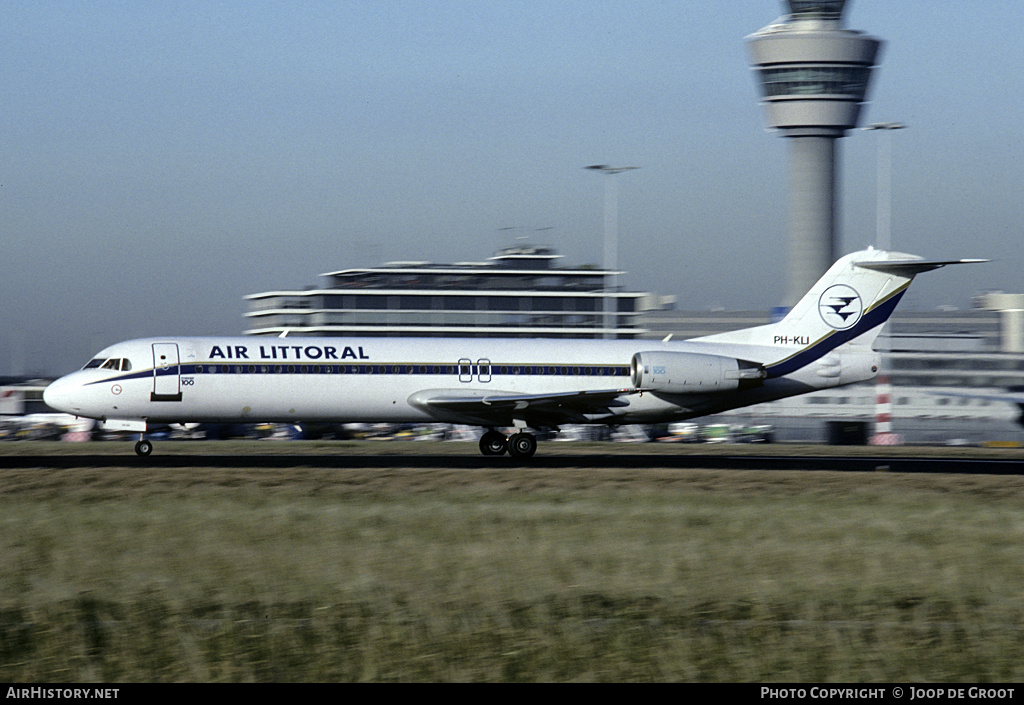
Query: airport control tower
(814,76)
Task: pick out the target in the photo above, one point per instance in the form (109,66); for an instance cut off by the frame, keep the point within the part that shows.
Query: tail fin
(848,304)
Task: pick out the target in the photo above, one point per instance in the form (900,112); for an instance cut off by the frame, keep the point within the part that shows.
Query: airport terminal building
(517,293)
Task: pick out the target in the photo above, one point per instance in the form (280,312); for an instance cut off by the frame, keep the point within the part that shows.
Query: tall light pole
(883,205)
(883,241)
(611,241)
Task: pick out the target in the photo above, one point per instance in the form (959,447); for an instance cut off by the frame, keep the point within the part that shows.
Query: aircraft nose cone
(59,395)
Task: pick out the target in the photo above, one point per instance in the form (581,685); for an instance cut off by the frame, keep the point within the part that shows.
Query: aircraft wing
(496,408)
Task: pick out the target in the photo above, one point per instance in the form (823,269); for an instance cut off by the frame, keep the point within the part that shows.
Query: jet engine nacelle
(692,373)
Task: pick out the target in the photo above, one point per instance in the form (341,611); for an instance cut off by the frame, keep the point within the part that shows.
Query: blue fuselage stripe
(397,369)
(875,317)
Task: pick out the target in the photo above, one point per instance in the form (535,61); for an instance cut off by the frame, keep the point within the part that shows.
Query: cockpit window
(93,364)
(114,363)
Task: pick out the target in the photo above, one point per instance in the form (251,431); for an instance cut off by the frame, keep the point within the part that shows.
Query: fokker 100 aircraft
(825,341)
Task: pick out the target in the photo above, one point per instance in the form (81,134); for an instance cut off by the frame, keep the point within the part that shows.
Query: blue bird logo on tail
(840,307)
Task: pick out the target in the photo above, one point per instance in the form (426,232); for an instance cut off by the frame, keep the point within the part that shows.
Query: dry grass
(502,574)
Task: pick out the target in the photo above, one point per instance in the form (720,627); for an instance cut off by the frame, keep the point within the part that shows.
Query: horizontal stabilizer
(909,267)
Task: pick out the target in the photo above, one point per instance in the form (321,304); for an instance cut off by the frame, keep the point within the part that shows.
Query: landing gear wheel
(522,445)
(493,443)
(143,448)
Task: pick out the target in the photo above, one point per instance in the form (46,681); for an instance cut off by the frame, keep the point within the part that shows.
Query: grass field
(505,574)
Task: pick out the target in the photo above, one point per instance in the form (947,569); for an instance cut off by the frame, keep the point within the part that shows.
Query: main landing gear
(520,445)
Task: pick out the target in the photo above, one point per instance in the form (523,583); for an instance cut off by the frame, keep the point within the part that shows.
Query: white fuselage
(377,379)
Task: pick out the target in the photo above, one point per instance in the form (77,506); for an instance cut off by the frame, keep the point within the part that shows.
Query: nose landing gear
(143,447)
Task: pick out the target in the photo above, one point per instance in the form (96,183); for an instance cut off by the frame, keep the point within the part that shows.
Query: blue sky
(160,160)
